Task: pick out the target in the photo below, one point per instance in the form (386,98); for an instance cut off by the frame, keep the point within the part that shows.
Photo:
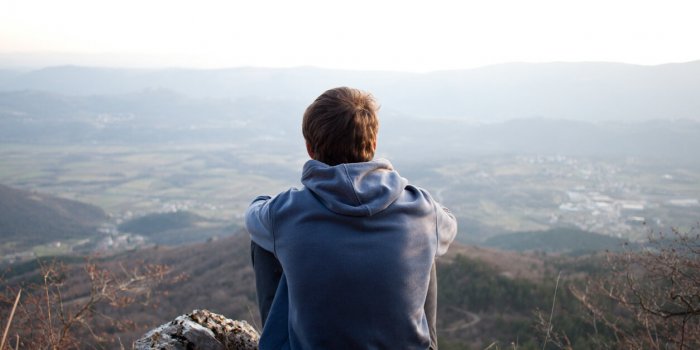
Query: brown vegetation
(216,275)
(649,299)
(486,295)
(528,266)
(65,308)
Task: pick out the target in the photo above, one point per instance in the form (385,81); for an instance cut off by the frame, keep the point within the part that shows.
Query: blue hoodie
(356,244)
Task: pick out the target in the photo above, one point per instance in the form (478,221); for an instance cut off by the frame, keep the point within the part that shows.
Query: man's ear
(310,150)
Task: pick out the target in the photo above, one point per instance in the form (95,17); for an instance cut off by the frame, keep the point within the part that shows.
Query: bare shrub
(649,299)
(60,308)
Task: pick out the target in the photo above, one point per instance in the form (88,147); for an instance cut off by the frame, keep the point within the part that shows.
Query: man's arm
(268,272)
(446,228)
(259,223)
(267,268)
(430,307)
(446,232)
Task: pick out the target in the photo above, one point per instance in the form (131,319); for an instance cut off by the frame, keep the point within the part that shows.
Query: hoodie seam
(348,179)
(437,229)
(271,219)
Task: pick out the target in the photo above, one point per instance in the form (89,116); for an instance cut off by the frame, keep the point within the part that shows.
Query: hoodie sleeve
(259,224)
(446,228)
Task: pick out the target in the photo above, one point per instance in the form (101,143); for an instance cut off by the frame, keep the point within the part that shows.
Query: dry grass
(9,321)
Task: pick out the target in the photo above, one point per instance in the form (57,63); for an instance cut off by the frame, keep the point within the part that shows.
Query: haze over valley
(604,148)
(544,165)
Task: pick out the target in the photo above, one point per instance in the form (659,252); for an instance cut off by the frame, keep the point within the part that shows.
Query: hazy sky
(353,34)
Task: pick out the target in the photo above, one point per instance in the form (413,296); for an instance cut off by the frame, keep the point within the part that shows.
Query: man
(355,245)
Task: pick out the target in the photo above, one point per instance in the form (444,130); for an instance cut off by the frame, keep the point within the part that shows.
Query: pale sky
(352,34)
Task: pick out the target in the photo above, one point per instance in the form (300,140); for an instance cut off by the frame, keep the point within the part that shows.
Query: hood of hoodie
(354,189)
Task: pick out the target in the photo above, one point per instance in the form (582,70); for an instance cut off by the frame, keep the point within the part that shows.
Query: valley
(491,195)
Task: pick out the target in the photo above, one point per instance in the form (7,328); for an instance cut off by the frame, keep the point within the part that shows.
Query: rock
(201,329)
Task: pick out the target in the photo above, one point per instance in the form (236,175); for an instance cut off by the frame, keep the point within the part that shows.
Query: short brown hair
(341,126)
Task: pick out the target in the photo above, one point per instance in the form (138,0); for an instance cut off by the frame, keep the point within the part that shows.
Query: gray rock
(201,329)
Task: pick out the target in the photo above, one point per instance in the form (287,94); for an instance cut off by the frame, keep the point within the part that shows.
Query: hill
(557,240)
(176,228)
(479,289)
(216,275)
(29,218)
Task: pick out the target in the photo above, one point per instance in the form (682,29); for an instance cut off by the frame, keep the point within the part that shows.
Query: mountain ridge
(582,91)
(161,115)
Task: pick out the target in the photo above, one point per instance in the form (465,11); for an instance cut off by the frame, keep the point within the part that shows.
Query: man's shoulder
(292,195)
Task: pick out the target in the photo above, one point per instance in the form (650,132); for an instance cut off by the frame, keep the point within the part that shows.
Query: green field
(211,180)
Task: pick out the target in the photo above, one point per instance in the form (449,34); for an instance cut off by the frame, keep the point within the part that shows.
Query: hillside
(557,240)
(216,275)
(29,218)
(175,228)
(479,288)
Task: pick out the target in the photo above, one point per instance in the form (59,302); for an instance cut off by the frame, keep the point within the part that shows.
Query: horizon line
(7,62)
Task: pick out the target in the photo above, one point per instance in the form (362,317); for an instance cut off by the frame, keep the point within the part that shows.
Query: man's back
(356,245)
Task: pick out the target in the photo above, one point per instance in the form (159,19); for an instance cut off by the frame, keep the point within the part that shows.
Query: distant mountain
(151,116)
(578,109)
(163,116)
(7,74)
(579,91)
(558,240)
(445,140)
(29,218)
